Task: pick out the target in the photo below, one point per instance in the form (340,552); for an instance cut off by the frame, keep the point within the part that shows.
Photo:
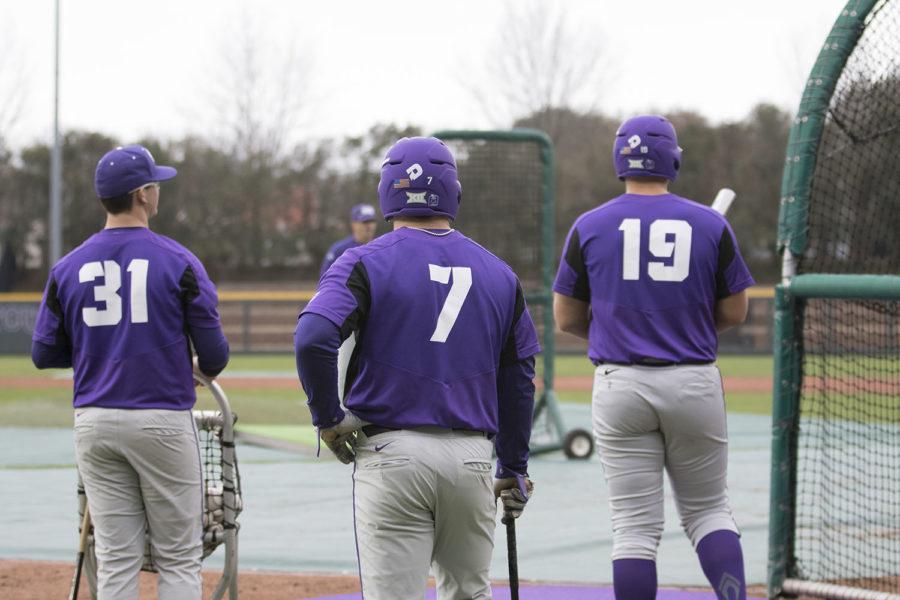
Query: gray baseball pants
(650,419)
(142,468)
(423,497)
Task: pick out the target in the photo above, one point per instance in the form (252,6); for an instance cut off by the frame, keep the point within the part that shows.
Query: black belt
(654,362)
(373,430)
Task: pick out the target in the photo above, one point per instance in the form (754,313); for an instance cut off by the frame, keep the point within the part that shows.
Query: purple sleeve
(571,277)
(48,326)
(515,389)
(732,274)
(316,344)
(199,296)
(47,356)
(212,349)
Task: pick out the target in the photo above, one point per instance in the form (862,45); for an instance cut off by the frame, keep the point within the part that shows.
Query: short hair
(118,204)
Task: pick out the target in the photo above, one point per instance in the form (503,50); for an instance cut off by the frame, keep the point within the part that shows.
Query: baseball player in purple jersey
(649,278)
(362,225)
(122,309)
(442,373)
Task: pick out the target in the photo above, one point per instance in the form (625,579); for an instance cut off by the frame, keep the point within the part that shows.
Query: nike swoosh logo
(381,447)
(608,371)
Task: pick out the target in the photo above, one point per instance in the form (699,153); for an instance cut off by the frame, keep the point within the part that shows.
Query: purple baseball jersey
(652,269)
(124,299)
(436,315)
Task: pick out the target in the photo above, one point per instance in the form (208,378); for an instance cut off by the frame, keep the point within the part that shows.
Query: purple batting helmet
(418,179)
(646,146)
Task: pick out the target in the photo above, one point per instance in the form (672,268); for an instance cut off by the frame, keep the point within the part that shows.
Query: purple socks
(723,564)
(634,579)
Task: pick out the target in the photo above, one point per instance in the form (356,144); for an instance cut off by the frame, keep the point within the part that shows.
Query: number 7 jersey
(652,269)
(435,314)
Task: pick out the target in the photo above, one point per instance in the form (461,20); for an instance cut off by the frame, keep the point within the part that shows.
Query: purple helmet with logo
(418,179)
(646,146)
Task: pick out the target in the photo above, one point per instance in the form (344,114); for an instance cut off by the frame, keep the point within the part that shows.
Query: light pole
(56,160)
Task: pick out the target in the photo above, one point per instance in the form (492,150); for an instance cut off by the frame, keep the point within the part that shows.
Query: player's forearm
(316,344)
(515,390)
(47,356)
(212,349)
(572,315)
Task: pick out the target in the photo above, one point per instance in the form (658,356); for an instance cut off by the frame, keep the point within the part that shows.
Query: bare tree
(539,63)
(13,83)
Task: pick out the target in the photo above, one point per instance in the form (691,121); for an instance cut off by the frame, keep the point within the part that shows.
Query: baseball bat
(723,200)
(82,546)
(512,556)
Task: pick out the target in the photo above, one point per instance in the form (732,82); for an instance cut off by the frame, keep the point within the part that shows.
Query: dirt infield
(38,580)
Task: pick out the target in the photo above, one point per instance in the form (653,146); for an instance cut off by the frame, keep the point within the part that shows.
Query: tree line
(270,215)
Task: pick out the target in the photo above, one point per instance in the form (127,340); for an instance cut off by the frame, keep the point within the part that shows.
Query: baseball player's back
(125,297)
(440,311)
(652,268)
(441,373)
(119,310)
(649,279)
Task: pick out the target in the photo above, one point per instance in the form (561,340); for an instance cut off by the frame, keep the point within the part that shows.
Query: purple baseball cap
(362,213)
(127,168)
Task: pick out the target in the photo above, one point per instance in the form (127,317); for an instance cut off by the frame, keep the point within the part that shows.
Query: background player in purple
(119,309)
(362,226)
(649,278)
(443,365)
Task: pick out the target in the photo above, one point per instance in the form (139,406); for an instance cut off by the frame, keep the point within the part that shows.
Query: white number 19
(679,249)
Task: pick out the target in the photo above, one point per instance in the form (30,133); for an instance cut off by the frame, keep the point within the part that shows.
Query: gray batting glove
(514,493)
(342,445)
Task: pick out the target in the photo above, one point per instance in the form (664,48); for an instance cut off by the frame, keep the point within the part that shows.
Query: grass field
(27,405)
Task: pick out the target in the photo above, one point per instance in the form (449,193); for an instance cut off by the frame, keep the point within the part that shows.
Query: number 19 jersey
(652,269)
(435,314)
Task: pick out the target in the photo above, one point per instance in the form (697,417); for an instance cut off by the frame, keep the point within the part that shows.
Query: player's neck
(422,223)
(135,218)
(646,186)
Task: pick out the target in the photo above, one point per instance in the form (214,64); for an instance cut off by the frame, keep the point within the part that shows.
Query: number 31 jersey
(125,299)
(652,269)
(435,315)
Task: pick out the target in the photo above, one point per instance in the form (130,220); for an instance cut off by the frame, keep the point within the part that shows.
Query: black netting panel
(855,197)
(848,468)
(502,202)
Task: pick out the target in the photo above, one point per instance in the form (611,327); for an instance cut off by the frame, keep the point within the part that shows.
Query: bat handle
(82,548)
(512,555)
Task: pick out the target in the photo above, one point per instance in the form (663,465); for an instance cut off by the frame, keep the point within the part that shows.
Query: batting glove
(342,445)
(514,493)
(341,439)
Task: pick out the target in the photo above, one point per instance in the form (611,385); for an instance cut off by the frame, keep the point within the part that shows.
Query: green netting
(847,495)
(841,192)
(503,204)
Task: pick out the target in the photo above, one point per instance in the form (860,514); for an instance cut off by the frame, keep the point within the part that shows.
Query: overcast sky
(157,67)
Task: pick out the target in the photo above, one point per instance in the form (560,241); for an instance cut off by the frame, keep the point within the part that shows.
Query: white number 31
(108,291)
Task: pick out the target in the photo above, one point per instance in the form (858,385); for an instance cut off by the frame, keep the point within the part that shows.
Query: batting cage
(509,207)
(222,502)
(834,529)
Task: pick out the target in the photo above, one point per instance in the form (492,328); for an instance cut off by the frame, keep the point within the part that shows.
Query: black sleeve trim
(55,306)
(575,260)
(358,284)
(510,353)
(726,257)
(188,285)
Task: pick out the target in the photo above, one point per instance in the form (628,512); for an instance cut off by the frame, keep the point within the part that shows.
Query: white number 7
(462,282)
